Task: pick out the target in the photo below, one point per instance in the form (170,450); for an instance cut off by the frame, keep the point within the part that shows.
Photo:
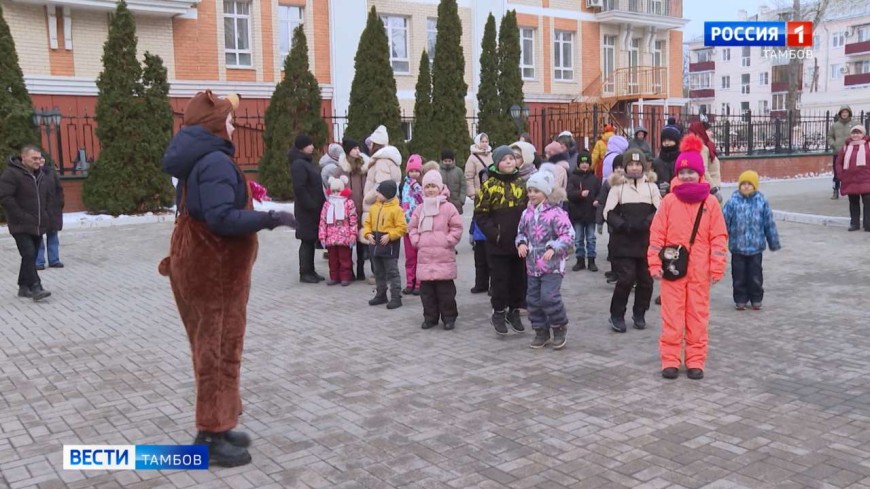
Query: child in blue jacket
(750,229)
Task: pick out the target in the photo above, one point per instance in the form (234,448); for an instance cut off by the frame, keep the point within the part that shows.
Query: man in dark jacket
(308,192)
(51,243)
(583,189)
(663,166)
(24,196)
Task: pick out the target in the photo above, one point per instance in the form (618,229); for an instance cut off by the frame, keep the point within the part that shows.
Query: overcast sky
(699,11)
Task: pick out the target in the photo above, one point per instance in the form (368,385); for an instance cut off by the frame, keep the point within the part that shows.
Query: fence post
(595,124)
(777,135)
(727,137)
(543,127)
(790,131)
(749,133)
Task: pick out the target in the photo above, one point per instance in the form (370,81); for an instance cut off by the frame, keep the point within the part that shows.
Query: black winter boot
(24,292)
(395,302)
(560,334)
(617,324)
(513,317)
(220,451)
(38,293)
(238,438)
(592,267)
(379,298)
(499,322)
(580,265)
(638,318)
(541,339)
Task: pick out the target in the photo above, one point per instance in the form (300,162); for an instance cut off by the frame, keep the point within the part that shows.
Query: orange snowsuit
(686,302)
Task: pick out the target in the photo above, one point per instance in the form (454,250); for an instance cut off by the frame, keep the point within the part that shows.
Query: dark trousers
(439,300)
(306,256)
(836,180)
(386,272)
(481,266)
(544,297)
(27,246)
(340,263)
(631,271)
(508,277)
(747,278)
(360,260)
(855,210)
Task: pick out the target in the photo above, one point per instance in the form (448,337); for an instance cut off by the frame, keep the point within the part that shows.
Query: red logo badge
(799,34)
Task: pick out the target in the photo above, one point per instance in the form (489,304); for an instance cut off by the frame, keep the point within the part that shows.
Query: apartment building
(735,80)
(587,51)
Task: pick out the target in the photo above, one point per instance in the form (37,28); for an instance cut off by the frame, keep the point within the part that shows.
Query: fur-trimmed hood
(475,150)
(388,153)
(619,178)
(348,169)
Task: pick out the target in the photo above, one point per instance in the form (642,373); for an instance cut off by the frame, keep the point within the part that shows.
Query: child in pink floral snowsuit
(338,231)
(544,238)
(411,194)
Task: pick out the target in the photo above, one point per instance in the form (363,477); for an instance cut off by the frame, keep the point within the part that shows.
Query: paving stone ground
(340,394)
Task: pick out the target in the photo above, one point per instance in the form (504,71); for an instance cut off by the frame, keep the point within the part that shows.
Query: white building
(734,80)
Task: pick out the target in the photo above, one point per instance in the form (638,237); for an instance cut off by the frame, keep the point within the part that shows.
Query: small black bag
(675,258)
(390,250)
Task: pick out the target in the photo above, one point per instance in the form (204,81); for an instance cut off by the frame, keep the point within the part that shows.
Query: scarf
(669,153)
(691,193)
(335,210)
(860,155)
(430,210)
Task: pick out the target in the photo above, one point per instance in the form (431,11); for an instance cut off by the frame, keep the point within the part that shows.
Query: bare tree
(814,11)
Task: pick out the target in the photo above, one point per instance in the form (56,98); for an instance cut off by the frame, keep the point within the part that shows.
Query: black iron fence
(72,143)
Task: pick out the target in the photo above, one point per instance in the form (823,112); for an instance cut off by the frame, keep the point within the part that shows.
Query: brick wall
(29,28)
(775,167)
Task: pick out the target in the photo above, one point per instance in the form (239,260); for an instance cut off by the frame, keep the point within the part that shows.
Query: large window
(763,107)
(563,49)
(726,109)
(698,81)
(779,101)
(289,18)
(862,67)
(237,34)
(745,59)
(726,82)
(863,33)
(744,83)
(704,55)
(764,78)
(608,60)
(527,53)
(837,40)
(431,35)
(726,54)
(659,62)
(397,37)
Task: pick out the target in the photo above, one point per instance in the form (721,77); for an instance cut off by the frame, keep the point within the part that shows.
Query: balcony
(702,93)
(779,87)
(161,8)
(647,82)
(652,13)
(857,79)
(857,48)
(702,66)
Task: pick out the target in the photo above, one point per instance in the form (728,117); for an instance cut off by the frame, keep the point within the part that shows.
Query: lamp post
(519,115)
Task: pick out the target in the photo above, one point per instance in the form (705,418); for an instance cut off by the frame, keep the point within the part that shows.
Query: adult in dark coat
(211,255)
(308,191)
(24,196)
(51,243)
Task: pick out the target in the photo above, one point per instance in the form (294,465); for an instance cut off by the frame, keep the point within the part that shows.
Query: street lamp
(519,115)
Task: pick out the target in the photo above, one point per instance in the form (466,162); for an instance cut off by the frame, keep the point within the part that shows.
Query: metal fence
(72,143)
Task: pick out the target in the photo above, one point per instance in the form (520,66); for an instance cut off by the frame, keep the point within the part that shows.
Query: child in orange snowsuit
(686,300)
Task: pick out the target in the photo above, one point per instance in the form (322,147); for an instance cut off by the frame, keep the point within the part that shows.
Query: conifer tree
(294,108)
(16,112)
(488,103)
(423,142)
(155,190)
(449,123)
(373,99)
(510,80)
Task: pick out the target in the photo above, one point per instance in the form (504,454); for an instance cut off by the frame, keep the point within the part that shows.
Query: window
(763,107)
(836,71)
(862,67)
(703,109)
(563,49)
(726,82)
(527,53)
(863,33)
(726,109)
(431,34)
(744,83)
(744,110)
(658,62)
(837,40)
(747,52)
(764,78)
(289,18)
(609,60)
(779,101)
(815,40)
(633,61)
(726,55)
(699,81)
(397,37)
(705,55)
(237,34)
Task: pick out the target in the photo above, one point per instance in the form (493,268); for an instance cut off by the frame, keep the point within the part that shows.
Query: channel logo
(798,34)
(135,457)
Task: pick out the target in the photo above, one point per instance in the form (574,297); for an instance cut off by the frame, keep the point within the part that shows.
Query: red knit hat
(690,155)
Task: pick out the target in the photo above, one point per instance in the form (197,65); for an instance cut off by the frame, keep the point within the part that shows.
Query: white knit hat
(337,184)
(380,136)
(543,180)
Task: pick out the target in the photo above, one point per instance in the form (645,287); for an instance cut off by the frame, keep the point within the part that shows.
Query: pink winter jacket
(339,233)
(436,258)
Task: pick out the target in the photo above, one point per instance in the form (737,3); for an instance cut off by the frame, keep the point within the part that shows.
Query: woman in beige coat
(478,161)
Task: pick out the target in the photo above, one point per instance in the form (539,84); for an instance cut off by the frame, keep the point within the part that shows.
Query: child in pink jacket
(435,230)
(338,231)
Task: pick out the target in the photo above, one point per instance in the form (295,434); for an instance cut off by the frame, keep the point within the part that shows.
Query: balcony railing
(636,82)
(858,48)
(702,93)
(702,66)
(856,79)
(645,7)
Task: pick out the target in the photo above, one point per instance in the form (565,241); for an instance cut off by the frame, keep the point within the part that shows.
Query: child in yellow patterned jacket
(384,226)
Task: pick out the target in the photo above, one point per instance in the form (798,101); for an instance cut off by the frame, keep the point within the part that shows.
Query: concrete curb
(811,219)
